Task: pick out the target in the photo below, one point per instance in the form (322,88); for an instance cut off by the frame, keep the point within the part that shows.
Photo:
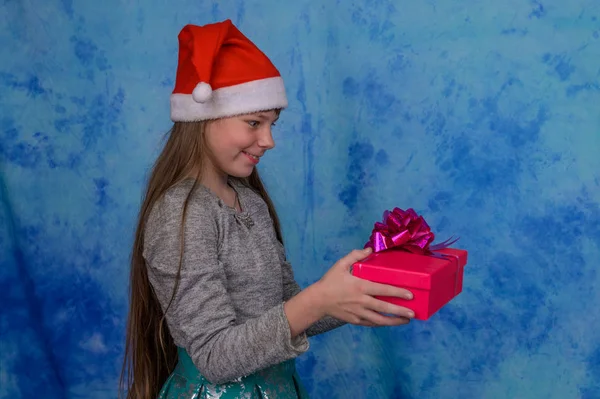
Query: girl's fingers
(380,306)
(380,320)
(377,289)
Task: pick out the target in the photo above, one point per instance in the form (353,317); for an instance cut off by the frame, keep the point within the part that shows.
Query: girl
(215,310)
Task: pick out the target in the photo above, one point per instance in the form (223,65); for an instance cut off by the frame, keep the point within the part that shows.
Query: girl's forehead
(266,115)
(271,113)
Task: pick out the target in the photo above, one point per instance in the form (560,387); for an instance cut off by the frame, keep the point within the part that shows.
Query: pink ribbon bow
(404,230)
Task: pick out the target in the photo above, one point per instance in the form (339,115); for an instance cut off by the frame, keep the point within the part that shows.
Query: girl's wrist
(318,296)
(304,309)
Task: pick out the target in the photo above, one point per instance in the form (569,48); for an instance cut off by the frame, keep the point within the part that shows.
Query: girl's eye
(253,123)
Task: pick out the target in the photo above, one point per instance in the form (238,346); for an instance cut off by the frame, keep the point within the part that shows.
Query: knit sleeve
(201,313)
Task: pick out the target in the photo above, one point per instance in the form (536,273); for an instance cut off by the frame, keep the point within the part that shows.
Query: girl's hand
(351,299)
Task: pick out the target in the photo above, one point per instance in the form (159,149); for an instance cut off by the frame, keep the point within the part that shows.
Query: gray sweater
(228,310)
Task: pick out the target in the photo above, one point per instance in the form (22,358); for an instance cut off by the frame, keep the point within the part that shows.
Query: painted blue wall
(483,116)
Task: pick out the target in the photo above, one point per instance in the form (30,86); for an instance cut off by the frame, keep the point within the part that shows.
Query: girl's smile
(253,158)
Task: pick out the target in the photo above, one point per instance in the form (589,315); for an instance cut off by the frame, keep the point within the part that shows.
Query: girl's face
(236,144)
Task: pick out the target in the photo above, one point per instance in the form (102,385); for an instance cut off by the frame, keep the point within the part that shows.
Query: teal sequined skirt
(277,382)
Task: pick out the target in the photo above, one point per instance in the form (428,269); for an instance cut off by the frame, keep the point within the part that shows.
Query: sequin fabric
(277,382)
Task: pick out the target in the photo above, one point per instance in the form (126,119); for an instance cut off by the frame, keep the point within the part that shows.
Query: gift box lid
(401,268)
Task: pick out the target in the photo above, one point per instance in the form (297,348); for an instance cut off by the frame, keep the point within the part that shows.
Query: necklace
(236,201)
(240,215)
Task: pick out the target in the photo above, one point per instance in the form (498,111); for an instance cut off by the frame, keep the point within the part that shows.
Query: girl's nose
(266,140)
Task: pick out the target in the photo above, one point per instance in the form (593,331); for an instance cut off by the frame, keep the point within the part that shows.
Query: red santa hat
(222,73)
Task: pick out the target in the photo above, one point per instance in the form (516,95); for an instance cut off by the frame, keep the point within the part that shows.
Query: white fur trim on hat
(245,98)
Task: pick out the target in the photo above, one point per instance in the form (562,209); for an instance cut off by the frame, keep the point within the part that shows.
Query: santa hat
(222,73)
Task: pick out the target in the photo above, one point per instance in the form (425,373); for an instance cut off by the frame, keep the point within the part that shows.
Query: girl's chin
(241,172)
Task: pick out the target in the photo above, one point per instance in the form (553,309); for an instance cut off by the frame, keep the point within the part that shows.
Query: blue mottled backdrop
(482,115)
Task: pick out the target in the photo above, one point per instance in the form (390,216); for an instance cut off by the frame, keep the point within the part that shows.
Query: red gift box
(404,257)
(433,281)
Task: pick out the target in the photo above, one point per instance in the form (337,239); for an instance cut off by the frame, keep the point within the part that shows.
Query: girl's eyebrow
(264,116)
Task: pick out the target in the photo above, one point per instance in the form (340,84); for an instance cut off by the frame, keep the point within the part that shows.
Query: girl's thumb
(355,256)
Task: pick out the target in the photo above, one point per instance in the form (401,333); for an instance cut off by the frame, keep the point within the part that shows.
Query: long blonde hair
(150,353)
